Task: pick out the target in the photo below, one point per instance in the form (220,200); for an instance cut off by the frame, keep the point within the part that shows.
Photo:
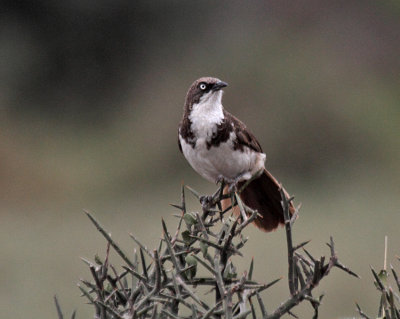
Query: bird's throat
(206,115)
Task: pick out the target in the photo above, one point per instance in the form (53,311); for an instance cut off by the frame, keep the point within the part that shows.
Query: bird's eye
(203,86)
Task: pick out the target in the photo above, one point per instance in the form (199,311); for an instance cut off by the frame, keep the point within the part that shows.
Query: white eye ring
(202,86)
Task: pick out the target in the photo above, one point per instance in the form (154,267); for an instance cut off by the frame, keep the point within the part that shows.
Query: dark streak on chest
(185,131)
(221,135)
(243,137)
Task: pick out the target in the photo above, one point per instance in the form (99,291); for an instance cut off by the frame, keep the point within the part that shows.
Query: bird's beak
(219,85)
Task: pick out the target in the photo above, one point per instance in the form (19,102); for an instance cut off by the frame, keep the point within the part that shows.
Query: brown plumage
(263,194)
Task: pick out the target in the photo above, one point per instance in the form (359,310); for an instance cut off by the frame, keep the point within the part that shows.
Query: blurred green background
(91,93)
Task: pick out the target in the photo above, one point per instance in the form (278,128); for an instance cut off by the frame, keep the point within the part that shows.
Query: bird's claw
(232,183)
(205,200)
(220,180)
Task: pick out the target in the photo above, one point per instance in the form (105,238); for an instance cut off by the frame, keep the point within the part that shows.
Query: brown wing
(243,135)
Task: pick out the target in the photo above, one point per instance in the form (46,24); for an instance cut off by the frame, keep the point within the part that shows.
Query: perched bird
(221,148)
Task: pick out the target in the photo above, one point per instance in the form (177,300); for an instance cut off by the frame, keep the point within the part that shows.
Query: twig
(286,214)
(59,312)
(156,287)
(362,314)
(109,239)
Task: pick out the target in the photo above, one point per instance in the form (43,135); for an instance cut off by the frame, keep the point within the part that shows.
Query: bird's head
(204,90)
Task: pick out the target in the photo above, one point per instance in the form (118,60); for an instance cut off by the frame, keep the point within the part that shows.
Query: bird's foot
(220,180)
(233,183)
(206,200)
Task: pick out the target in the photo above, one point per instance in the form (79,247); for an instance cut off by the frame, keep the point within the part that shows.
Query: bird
(220,148)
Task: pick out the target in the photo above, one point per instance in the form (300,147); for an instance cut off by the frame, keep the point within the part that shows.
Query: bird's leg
(209,201)
(217,196)
(233,183)
(227,181)
(220,180)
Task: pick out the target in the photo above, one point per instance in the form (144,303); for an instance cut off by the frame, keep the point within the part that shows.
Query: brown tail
(263,195)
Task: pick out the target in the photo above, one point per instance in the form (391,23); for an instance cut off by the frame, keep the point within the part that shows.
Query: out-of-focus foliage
(91,93)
